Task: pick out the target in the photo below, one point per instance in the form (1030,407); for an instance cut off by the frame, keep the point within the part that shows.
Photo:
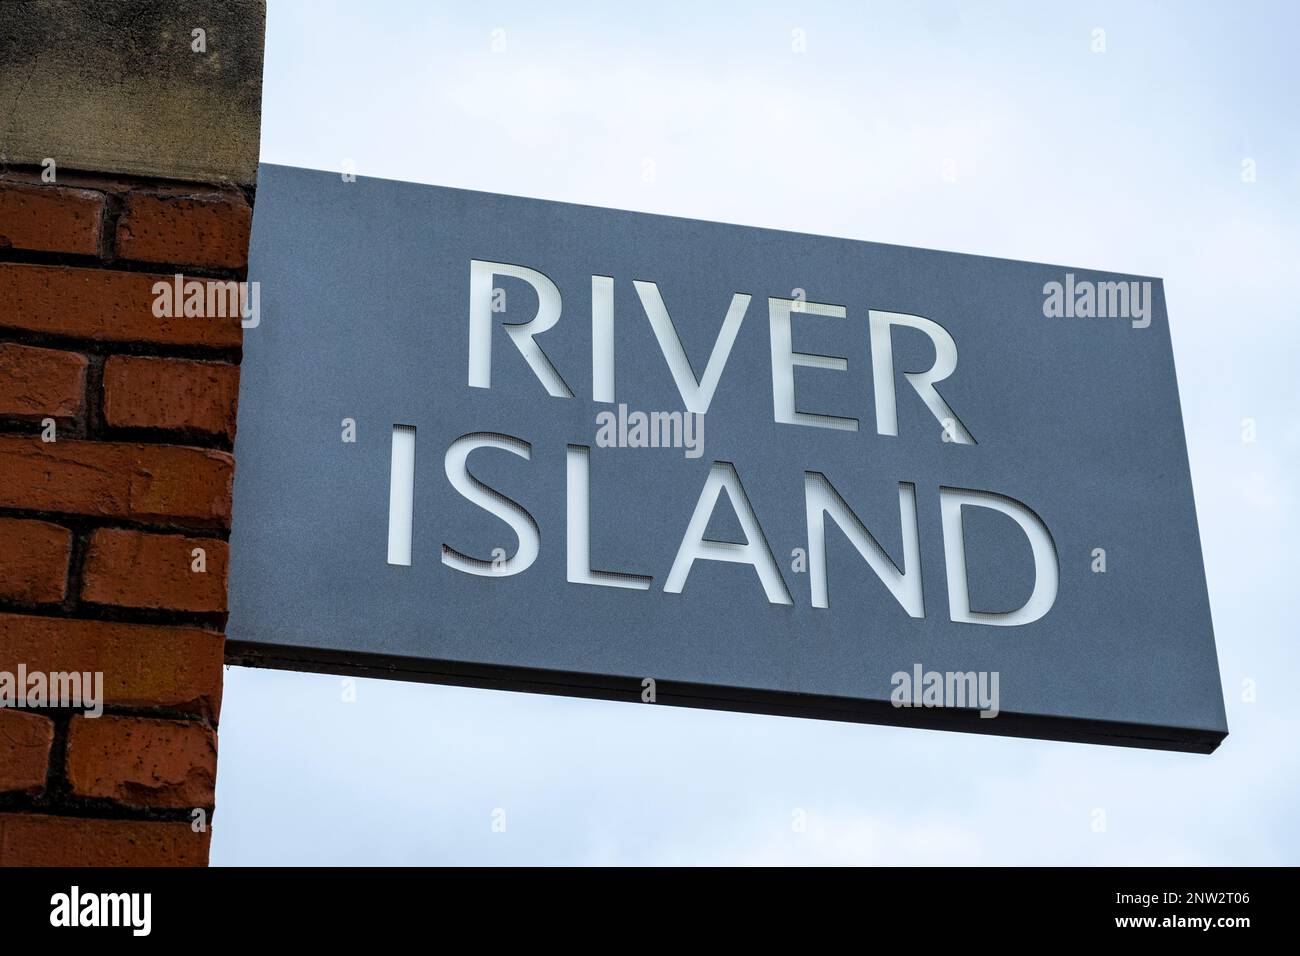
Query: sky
(991,128)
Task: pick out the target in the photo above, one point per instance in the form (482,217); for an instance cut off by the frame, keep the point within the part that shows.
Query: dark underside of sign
(739,700)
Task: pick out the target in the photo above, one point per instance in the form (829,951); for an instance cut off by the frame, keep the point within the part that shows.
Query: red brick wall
(99,528)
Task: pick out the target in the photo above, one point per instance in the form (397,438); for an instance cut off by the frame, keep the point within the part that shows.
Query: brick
(171,394)
(30,840)
(160,484)
(203,229)
(140,570)
(33,561)
(36,384)
(102,305)
(25,740)
(144,665)
(50,218)
(143,761)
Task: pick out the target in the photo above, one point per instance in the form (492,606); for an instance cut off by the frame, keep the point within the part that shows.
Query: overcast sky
(1129,159)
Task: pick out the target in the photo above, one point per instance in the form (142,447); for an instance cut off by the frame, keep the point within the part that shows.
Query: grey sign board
(511,443)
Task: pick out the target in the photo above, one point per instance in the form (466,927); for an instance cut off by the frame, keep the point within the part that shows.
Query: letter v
(695,394)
